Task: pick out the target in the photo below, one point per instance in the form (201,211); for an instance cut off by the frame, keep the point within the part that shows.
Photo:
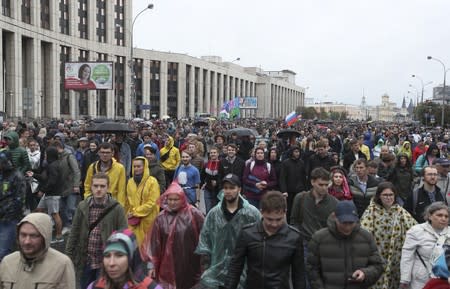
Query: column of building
(163,88)
(207,105)
(200,107)
(181,90)
(213,80)
(192,91)
(220,80)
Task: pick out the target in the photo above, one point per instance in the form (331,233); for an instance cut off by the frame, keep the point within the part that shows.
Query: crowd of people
(224,204)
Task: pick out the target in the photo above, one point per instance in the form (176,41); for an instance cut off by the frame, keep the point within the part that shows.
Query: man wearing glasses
(443,182)
(425,195)
(115,171)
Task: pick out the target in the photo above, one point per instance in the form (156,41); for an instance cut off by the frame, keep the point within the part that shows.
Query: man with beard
(425,195)
(36,264)
(220,230)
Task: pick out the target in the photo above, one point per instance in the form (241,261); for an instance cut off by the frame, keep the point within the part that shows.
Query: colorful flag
(291,118)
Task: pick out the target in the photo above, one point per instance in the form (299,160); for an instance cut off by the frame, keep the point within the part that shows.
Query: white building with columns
(39,37)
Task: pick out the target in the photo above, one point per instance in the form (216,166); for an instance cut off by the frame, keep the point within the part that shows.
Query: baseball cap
(232,179)
(346,212)
(83,139)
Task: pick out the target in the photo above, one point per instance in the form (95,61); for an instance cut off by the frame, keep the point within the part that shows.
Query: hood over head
(14,137)
(43,224)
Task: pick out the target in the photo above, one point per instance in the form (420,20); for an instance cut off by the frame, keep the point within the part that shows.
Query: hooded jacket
(117,180)
(69,172)
(142,200)
(12,191)
(172,160)
(218,239)
(50,269)
(333,257)
(19,155)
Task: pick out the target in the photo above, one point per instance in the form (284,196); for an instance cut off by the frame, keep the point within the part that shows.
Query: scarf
(212,167)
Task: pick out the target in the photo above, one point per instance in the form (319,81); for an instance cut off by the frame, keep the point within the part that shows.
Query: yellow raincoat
(141,201)
(173,160)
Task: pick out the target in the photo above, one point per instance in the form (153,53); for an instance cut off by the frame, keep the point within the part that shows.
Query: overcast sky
(337,48)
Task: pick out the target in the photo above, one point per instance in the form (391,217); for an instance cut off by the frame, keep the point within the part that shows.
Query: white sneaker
(65,230)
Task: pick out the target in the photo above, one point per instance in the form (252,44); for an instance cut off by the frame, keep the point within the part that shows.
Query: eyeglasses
(431,175)
(104,153)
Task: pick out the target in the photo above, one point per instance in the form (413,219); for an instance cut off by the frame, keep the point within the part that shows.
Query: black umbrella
(200,122)
(241,131)
(110,127)
(288,133)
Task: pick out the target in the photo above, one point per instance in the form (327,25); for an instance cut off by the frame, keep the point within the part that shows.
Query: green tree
(424,112)
(306,112)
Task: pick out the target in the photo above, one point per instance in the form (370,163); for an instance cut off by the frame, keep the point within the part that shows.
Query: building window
(26,11)
(196,88)
(64,101)
(119,23)
(155,88)
(172,88)
(6,7)
(101,93)
(120,86)
(138,70)
(188,91)
(101,21)
(83,19)
(64,24)
(45,14)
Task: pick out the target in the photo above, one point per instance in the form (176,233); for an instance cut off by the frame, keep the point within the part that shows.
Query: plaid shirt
(95,244)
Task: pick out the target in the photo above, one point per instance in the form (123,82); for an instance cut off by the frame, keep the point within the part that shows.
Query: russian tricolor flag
(291,118)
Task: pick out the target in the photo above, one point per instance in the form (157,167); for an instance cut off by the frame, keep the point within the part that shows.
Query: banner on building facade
(249,102)
(88,75)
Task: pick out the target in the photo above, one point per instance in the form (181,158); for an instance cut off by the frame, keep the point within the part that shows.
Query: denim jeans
(68,206)
(7,237)
(305,257)
(89,275)
(210,200)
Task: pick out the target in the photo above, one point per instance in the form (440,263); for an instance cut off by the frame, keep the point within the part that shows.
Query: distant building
(438,93)
(40,37)
(353,111)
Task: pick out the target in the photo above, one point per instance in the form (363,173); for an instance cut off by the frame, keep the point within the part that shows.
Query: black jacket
(417,202)
(268,258)
(349,158)
(237,168)
(315,161)
(292,177)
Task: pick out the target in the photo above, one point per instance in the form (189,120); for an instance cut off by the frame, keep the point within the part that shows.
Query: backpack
(268,166)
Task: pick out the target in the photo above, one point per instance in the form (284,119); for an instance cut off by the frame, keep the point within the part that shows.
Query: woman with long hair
(339,187)
(119,263)
(388,222)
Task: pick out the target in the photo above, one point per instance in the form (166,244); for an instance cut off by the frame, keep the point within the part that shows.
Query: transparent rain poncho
(218,239)
(171,243)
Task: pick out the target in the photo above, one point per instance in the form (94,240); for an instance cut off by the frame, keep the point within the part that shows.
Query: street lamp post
(443,88)
(423,85)
(133,73)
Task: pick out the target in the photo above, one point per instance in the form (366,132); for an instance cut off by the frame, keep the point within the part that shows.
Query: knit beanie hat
(123,241)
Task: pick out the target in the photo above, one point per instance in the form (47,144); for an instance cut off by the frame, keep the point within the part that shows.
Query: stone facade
(36,42)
